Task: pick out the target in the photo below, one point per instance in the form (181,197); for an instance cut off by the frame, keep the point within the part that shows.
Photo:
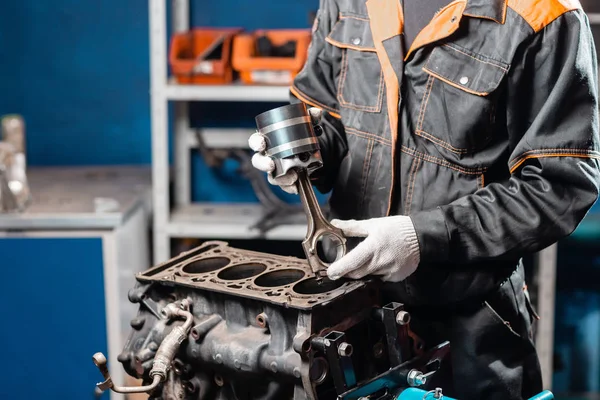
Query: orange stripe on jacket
(541,13)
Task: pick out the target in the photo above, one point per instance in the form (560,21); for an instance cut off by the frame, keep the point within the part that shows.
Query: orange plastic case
(269,70)
(202,55)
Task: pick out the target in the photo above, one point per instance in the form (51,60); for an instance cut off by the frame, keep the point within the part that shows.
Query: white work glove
(264,163)
(390,250)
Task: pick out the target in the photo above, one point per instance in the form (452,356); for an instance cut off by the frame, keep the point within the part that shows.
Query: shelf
(219,138)
(233,92)
(204,221)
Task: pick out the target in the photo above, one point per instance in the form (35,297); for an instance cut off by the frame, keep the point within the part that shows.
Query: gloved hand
(390,250)
(264,163)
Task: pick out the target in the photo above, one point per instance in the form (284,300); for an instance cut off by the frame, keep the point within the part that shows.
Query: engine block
(260,326)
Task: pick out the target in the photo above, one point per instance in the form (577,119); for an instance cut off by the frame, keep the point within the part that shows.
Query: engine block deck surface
(285,281)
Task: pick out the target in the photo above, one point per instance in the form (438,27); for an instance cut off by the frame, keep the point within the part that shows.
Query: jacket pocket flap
(463,69)
(352,32)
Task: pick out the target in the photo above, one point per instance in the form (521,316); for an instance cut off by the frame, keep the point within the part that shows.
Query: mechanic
(457,138)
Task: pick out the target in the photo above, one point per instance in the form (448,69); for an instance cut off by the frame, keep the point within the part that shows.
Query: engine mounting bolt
(219,359)
(153,346)
(273,366)
(326,342)
(236,363)
(345,349)
(402,318)
(297,373)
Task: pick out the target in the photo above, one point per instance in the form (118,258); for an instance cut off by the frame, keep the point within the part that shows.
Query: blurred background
(131,159)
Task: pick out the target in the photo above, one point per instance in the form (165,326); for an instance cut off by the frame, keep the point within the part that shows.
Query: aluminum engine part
(262,328)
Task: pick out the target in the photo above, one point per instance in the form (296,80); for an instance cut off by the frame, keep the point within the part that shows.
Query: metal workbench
(68,263)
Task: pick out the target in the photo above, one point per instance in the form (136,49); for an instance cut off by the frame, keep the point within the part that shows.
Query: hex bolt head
(274,366)
(345,349)
(297,373)
(219,359)
(415,378)
(402,318)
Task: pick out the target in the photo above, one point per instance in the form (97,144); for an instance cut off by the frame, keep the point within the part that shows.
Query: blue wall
(79,71)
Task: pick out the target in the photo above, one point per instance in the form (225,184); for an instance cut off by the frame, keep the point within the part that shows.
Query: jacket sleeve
(552,125)
(315,86)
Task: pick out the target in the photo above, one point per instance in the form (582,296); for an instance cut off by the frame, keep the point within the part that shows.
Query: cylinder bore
(206,265)
(280,277)
(313,286)
(242,271)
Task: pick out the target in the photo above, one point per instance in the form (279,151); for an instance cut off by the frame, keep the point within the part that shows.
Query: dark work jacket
(485,131)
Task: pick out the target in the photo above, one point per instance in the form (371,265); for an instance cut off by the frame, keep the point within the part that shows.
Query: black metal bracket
(339,357)
(395,321)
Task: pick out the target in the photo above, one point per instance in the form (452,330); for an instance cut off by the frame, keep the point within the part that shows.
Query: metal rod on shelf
(181,15)
(160,128)
(182,177)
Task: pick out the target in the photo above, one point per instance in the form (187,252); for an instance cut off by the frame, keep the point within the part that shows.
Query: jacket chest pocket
(458,107)
(360,80)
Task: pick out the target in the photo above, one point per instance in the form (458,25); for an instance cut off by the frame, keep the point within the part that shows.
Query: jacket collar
(494,10)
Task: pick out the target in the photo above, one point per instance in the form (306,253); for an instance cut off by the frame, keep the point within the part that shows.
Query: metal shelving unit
(186,219)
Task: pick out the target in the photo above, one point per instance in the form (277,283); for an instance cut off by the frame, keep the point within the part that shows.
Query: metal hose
(164,355)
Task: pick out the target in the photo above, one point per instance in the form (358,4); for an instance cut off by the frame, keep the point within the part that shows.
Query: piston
(291,139)
(291,143)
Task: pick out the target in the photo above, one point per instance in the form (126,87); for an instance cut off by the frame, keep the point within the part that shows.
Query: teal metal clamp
(419,394)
